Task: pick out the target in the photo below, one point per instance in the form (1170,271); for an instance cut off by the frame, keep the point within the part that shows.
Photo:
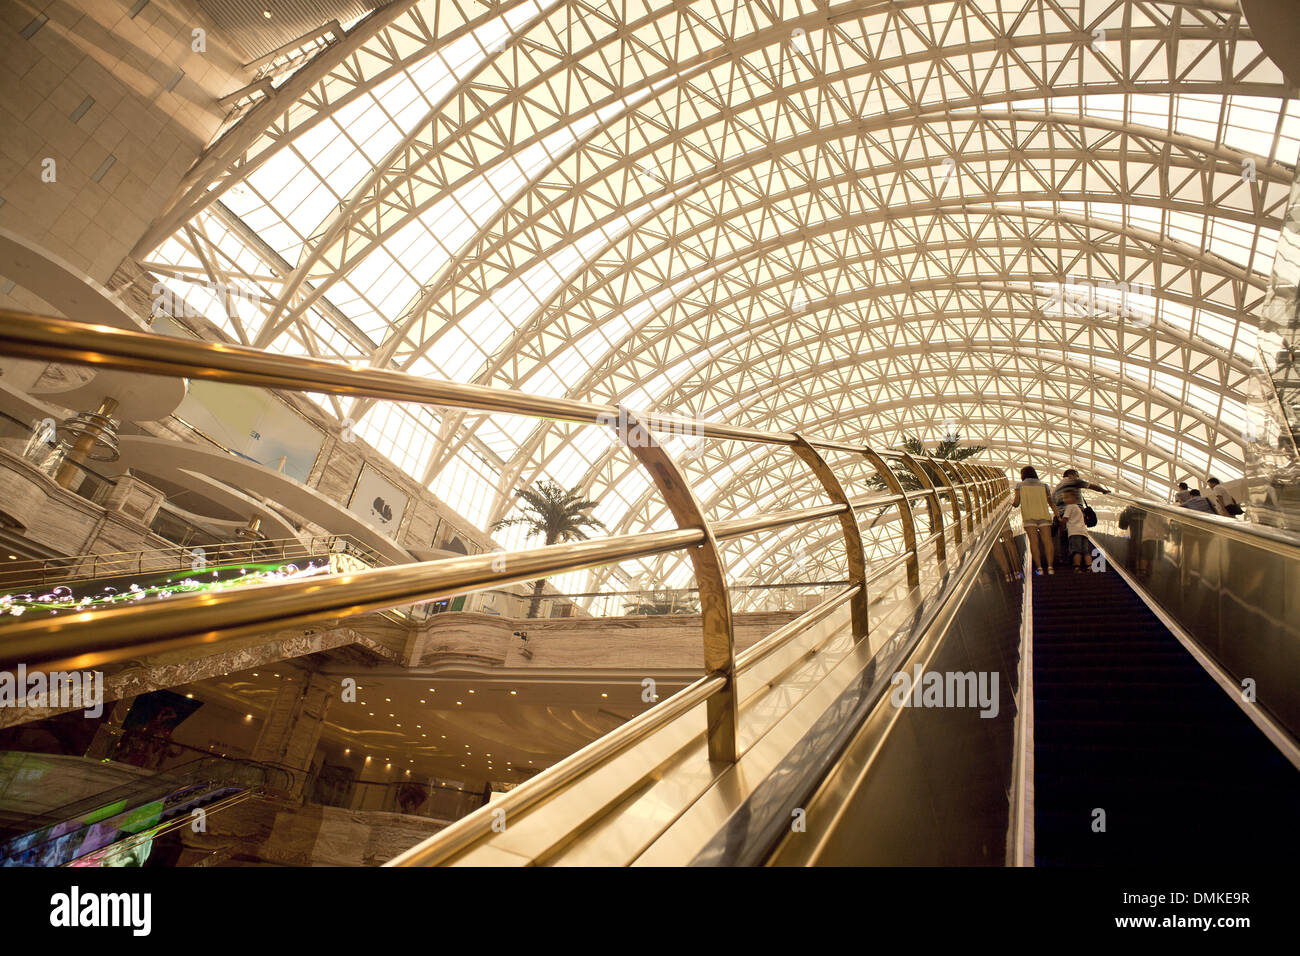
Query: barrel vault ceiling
(1043,226)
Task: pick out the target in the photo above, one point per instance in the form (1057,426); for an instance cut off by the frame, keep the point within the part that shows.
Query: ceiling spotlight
(266,13)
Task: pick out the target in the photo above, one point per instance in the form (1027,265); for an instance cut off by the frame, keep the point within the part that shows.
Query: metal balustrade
(975,494)
(81,568)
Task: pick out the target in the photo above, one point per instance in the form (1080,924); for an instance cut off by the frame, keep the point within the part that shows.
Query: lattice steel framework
(1044,225)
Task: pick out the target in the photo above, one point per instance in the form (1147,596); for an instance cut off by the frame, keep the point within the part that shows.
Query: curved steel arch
(1275,172)
(1016,142)
(1119,436)
(776,35)
(1169,402)
(595,372)
(962,204)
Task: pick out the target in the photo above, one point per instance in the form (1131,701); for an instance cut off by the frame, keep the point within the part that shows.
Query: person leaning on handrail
(1070,482)
(1222,501)
(1036,512)
(1197,503)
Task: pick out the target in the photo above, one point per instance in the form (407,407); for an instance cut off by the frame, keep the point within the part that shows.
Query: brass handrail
(87,639)
(1266,538)
(45,338)
(638,728)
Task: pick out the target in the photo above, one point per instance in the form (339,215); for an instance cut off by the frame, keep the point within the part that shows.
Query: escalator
(116,827)
(1063,722)
(1139,754)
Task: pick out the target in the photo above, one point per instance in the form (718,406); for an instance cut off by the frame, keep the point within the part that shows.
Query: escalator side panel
(989,614)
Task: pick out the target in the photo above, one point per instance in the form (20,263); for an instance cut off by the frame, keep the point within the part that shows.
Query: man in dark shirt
(1197,503)
(1070,481)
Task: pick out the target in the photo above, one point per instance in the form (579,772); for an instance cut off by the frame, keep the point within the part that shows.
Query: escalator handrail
(562,776)
(190,771)
(1266,538)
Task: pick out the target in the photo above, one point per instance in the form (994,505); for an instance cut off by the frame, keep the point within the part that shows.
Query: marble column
(293,726)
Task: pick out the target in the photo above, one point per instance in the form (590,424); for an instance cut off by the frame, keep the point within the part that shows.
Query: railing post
(959,485)
(856,555)
(979,504)
(905,514)
(946,481)
(931,504)
(710,578)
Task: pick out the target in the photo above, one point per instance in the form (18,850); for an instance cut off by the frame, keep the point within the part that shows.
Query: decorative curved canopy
(1044,226)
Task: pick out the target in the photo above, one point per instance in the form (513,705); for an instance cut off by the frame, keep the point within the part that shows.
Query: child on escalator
(1076,528)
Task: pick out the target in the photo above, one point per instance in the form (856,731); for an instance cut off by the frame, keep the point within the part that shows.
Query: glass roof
(1045,226)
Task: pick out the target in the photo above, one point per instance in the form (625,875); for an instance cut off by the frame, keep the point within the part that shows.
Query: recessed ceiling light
(514,693)
(267,14)
(471,692)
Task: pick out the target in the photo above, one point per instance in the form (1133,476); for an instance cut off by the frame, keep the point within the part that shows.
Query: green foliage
(950,449)
(547,510)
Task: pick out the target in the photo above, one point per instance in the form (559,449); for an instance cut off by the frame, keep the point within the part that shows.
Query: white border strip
(1020,849)
(1279,737)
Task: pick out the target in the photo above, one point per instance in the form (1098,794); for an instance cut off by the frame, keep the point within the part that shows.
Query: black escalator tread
(1127,722)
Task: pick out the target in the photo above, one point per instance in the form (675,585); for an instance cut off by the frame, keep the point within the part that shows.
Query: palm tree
(557,515)
(663,602)
(950,448)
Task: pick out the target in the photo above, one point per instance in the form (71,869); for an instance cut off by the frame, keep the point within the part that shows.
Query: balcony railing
(973,494)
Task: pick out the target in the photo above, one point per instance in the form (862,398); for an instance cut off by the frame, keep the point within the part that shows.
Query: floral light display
(80,596)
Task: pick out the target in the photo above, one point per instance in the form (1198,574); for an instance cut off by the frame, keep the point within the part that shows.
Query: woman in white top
(1036,512)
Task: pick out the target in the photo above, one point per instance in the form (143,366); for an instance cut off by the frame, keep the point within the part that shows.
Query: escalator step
(1125,719)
